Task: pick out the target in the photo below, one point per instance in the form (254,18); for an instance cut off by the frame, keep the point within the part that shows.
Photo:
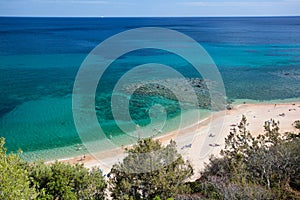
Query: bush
(297,124)
(150,171)
(21,180)
(65,181)
(265,167)
(14,181)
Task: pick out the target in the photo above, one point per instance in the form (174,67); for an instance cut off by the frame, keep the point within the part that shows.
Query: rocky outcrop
(183,90)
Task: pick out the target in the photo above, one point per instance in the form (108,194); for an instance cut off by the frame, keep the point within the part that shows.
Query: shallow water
(258,58)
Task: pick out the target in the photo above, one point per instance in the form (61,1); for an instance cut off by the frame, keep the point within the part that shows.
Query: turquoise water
(258,58)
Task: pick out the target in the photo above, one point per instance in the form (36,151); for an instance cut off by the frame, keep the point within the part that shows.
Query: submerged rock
(189,90)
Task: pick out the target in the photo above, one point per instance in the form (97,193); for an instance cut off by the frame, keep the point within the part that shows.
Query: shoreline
(197,134)
(72,150)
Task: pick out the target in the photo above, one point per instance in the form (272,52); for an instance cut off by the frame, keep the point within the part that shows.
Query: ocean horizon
(258,59)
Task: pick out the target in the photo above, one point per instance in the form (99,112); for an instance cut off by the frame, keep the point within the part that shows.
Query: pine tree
(150,171)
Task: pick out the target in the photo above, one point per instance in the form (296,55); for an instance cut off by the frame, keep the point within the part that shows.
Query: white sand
(218,125)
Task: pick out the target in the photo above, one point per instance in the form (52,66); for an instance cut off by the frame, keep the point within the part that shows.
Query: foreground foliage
(65,181)
(263,167)
(14,180)
(21,180)
(150,171)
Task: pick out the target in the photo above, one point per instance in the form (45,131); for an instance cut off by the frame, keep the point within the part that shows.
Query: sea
(258,59)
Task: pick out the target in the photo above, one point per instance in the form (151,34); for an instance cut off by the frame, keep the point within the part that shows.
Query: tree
(272,134)
(150,171)
(238,144)
(21,180)
(265,167)
(14,181)
(65,181)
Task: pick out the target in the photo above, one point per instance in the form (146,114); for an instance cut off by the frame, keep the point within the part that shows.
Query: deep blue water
(80,35)
(258,57)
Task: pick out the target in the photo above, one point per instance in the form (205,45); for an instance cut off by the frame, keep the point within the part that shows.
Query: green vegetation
(150,171)
(297,124)
(263,167)
(21,180)
(65,181)
(14,178)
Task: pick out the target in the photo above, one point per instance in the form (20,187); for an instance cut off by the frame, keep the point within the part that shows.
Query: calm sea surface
(258,58)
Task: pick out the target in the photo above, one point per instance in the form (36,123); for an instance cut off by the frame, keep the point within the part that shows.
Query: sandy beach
(200,140)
